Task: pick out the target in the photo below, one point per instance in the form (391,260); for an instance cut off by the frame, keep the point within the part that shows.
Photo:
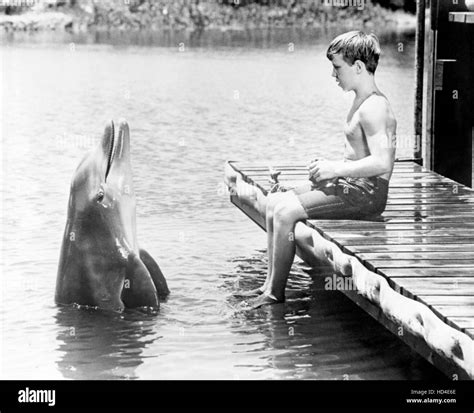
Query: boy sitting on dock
(353,188)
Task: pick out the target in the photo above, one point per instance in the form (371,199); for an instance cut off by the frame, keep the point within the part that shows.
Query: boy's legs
(273,200)
(282,215)
(266,207)
(253,197)
(286,213)
(283,212)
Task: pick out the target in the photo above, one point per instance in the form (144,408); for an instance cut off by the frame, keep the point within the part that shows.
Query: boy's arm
(373,119)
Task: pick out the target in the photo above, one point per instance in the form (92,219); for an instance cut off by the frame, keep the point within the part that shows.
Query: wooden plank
(396,237)
(265,185)
(265,170)
(446,271)
(463,322)
(404,186)
(450,311)
(381,264)
(447,307)
(428,193)
(360,241)
(279,165)
(431,189)
(304,174)
(396,217)
(431,209)
(391,226)
(413,287)
(279,162)
(427,181)
(410,248)
(402,195)
(424,255)
(424,220)
(401,177)
(344,233)
(417,216)
(446,200)
(457,201)
(401,237)
(282,166)
(392,230)
(422,185)
(440,300)
(400,225)
(405,194)
(405,189)
(406,182)
(405,217)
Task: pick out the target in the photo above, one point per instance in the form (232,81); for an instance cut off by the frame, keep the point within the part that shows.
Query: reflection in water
(254,38)
(320,334)
(102,345)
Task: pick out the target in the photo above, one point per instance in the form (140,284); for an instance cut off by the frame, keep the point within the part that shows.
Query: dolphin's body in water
(101,264)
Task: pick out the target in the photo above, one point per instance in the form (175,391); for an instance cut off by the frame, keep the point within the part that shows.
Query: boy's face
(343,72)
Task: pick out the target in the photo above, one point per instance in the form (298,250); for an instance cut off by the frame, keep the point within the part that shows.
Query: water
(225,96)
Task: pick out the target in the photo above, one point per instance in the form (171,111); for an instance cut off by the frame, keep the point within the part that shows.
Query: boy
(354,188)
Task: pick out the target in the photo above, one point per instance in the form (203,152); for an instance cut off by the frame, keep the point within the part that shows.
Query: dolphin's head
(102,187)
(100,237)
(100,263)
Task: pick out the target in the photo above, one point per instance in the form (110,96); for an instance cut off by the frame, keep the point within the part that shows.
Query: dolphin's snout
(115,147)
(123,142)
(107,145)
(123,123)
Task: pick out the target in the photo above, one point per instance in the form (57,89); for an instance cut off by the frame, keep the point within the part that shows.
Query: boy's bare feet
(248,293)
(260,301)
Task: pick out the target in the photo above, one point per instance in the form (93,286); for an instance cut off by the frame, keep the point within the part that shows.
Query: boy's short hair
(356,45)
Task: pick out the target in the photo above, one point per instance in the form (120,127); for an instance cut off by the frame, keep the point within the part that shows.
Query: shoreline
(207,15)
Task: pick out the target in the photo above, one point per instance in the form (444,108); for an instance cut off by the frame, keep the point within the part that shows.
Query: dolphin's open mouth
(111,150)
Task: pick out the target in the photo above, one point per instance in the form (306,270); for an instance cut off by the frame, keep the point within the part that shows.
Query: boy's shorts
(344,198)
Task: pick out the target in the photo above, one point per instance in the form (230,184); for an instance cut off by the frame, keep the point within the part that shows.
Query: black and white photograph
(271,191)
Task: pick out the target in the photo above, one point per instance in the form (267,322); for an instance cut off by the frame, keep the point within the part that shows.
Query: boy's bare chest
(353,130)
(355,146)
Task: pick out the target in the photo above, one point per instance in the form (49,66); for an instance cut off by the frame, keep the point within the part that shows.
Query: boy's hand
(320,170)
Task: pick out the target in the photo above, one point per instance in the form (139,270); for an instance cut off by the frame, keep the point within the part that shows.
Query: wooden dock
(422,246)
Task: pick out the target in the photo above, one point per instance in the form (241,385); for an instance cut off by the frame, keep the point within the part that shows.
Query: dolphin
(101,264)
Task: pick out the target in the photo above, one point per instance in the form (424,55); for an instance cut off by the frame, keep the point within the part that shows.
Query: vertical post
(419,68)
(430,35)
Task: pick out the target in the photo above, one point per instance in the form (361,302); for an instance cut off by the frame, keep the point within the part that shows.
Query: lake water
(192,102)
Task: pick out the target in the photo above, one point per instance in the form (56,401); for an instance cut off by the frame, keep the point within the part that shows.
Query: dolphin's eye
(100,196)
